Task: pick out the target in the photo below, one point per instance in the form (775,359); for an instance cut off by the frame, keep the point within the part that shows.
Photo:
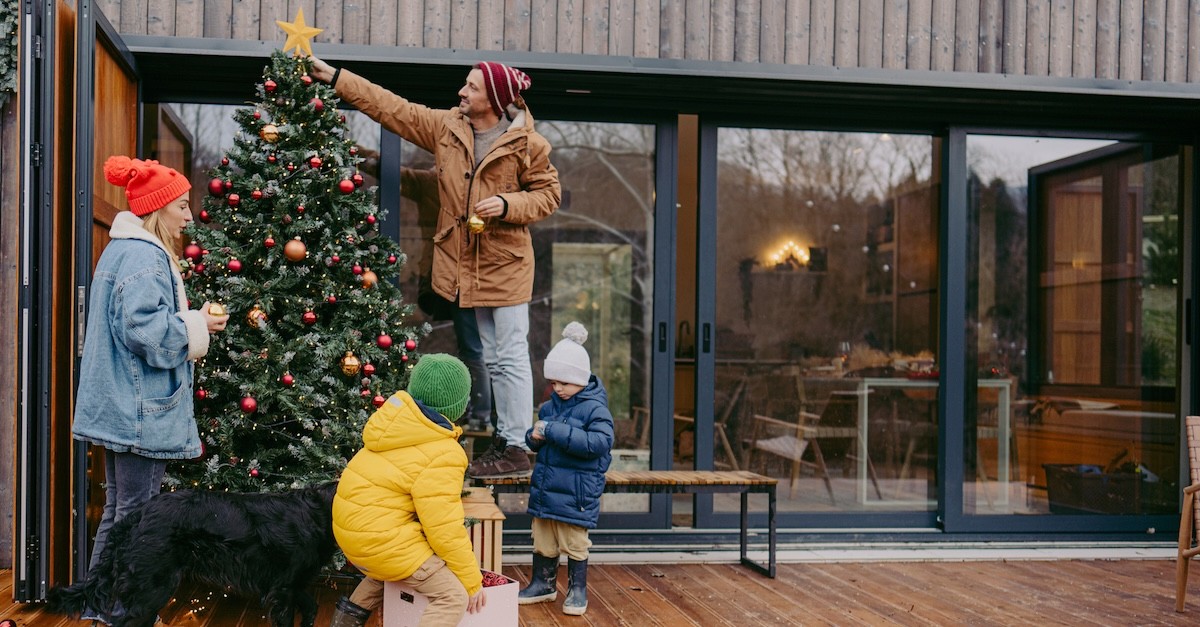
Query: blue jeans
(470,351)
(129,481)
(504,332)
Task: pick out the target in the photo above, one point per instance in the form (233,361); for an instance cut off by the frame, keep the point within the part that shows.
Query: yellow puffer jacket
(399,500)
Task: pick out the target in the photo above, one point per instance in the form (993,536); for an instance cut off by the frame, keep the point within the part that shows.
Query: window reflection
(826,316)
(1074,297)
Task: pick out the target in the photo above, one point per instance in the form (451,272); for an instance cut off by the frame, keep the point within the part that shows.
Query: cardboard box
(403,606)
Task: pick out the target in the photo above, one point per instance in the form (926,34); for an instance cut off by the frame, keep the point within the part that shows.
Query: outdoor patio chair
(1189,522)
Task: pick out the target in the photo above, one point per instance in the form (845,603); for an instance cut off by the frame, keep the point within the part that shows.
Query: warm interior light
(789,254)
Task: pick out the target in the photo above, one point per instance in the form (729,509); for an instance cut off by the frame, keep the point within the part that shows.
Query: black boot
(576,602)
(349,614)
(542,581)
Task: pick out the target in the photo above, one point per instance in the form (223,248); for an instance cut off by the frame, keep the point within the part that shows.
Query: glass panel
(594,265)
(1078,414)
(826,323)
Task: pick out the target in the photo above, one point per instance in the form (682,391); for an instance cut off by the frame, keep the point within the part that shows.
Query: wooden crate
(488,534)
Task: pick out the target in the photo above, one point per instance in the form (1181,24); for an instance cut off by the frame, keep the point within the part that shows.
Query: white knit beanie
(568,361)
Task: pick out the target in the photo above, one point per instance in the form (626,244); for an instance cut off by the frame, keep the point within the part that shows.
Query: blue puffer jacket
(568,478)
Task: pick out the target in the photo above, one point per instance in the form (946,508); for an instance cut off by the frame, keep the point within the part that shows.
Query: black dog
(268,545)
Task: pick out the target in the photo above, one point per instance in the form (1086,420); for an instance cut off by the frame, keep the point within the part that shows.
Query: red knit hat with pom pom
(149,185)
(503,84)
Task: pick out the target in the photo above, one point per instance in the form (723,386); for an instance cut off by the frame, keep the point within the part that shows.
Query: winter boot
(349,614)
(576,602)
(542,581)
(502,461)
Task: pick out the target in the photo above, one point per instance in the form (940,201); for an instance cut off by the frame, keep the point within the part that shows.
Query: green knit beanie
(442,383)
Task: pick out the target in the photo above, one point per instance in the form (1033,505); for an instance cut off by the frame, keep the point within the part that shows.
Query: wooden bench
(683,482)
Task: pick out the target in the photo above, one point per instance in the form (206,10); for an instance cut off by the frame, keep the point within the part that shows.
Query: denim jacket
(135,381)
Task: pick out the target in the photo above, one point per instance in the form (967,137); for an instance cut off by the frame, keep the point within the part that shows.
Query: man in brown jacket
(494,179)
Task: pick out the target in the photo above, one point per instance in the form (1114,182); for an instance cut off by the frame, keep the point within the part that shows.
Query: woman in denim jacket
(135,385)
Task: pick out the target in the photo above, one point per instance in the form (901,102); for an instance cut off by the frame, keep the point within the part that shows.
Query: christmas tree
(288,244)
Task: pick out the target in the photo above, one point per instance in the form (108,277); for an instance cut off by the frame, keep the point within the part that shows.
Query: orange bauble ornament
(295,250)
(256,318)
(350,364)
(369,279)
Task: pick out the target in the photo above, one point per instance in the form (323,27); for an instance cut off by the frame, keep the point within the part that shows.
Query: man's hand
(321,70)
(476,602)
(490,207)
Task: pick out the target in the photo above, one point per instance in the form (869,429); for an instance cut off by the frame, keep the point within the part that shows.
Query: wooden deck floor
(1128,592)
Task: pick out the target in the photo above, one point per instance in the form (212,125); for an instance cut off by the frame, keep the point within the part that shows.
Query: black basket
(1082,489)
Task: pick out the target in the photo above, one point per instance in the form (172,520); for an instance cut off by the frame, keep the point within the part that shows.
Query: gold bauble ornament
(369,279)
(350,364)
(476,224)
(256,317)
(217,309)
(269,133)
(295,250)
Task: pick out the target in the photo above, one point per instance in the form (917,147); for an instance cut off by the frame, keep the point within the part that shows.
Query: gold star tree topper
(298,34)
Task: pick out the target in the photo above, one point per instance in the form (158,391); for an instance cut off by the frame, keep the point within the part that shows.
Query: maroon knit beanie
(149,186)
(503,84)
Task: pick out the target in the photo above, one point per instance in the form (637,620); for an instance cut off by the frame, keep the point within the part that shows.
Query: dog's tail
(95,591)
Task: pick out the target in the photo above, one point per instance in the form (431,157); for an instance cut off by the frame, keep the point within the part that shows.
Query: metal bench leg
(743,540)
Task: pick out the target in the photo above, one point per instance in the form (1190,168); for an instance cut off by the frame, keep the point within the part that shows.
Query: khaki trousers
(447,596)
(552,538)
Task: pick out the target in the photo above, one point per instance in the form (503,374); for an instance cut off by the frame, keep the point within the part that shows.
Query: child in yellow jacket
(398,513)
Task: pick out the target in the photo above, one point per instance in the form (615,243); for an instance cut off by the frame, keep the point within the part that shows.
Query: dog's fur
(269,545)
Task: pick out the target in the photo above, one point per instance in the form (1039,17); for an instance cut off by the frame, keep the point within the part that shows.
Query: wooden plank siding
(1151,40)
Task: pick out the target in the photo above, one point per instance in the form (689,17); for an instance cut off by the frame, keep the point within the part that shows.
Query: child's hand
(539,430)
(476,602)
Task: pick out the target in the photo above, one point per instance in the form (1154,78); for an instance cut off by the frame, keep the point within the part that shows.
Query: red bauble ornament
(269,242)
(384,341)
(378,401)
(410,344)
(300,209)
(317,104)
(342,118)
(306,79)
(271,158)
(391,259)
(368,369)
(249,405)
(258,115)
(216,187)
(357,269)
(228,184)
(224,160)
(198,268)
(331,299)
(371,219)
(287,379)
(193,252)
(364,393)
(358,179)
(314,162)
(234,266)
(204,217)
(404,357)
(309,318)
(335,259)
(291,167)
(256,194)
(353,150)
(287,219)
(269,85)
(254,472)
(201,393)
(234,200)
(345,186)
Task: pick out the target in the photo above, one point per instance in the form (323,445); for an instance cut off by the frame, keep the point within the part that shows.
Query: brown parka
(493,268)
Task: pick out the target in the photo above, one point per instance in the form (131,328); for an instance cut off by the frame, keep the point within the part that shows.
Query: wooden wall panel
(746,32)
(464,24)
(570,27)
(991,36)
(243,23)
(382,22)
(845,34)
(1154,37)
(218,18)
(542,30)
(820,51)
(621,26)
(1015,14)
(10,151)
(1108,37)
(410,23)
(1037,37)
(671,29)
(698,35)
(799,25)
(722,30)
(161,18)
(1130,64)
(870,33)
(920,35)
(491,25)
(133,18)
(517,19)
(1175,48)
(966,37)
(1083,61)
(436,31)
(895,34)
(595,27)
(1061,25)
(356,22)
(645,28)
(941,48)
(189,18)
(1194,42)
(327,17)
(772,19)
(270,12)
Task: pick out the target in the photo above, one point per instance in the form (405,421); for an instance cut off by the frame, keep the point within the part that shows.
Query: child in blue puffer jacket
(573,438)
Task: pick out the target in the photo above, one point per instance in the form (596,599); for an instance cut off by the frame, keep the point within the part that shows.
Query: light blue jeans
(129,481)
(470,351)
(504,332)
